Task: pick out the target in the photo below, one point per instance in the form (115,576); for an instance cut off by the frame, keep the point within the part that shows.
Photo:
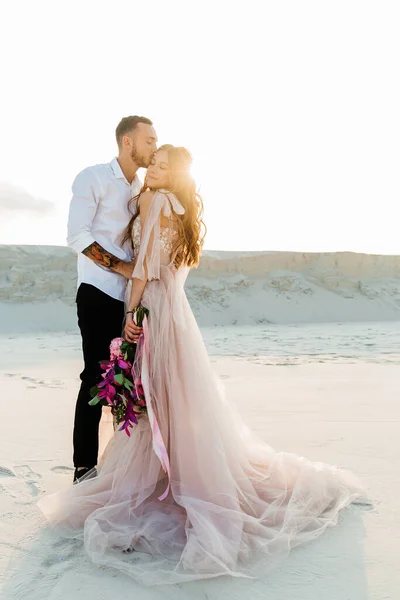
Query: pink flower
(123,364)
(115,348)
(120,386)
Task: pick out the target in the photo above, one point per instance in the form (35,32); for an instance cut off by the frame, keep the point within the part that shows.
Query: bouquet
(121,386)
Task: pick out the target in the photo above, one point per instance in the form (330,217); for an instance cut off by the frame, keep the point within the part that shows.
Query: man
(98,217)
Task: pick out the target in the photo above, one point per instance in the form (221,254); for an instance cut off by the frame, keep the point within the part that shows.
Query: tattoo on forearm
(97,253)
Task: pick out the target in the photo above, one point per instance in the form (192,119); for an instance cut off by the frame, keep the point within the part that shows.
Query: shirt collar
(116,168)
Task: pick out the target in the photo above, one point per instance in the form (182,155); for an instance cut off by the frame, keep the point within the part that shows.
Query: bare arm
(132,332)
(138,285)
(136,293)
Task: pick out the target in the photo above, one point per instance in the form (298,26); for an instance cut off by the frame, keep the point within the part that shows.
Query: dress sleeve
(148,258)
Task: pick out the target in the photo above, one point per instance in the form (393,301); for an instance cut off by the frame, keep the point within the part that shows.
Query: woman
(202,496)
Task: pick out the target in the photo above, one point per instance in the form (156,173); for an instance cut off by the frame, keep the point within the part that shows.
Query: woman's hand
(132,331)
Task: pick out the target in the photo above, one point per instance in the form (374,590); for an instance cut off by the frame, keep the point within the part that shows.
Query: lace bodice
(167,237)
(150,256)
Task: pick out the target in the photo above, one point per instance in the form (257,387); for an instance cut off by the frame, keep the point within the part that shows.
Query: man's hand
(132,331)
(125,268)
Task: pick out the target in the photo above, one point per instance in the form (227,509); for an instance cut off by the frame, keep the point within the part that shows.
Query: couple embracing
(235,506)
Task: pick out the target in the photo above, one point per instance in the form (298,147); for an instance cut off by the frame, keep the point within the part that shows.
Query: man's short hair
(127,125)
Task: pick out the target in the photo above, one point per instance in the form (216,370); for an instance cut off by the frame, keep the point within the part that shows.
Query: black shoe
(79,474)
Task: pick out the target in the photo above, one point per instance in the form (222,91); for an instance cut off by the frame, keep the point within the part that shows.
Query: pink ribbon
(158,442)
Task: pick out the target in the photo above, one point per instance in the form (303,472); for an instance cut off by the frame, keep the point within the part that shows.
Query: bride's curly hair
(190,226)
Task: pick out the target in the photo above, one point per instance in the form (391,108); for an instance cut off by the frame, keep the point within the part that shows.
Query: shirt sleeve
(82,211)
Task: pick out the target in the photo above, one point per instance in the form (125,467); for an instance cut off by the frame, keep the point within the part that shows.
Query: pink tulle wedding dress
(232,504)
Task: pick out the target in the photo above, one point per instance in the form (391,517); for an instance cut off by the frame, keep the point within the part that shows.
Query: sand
(338,409)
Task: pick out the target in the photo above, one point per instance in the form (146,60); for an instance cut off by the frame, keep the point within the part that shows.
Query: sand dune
(228,288)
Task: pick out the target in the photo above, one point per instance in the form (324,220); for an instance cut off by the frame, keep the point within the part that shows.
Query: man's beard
(139,159)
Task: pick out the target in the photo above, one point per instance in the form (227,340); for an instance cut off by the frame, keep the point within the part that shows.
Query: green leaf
(128,384)
(123,400)
(93,391)
(94,401)
(119,378)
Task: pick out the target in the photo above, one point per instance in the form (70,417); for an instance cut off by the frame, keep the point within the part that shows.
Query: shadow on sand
(44,566)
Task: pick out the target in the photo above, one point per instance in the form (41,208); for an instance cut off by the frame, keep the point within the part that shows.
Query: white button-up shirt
(99,213)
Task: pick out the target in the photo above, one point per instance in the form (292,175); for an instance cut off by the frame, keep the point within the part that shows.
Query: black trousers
(100,319)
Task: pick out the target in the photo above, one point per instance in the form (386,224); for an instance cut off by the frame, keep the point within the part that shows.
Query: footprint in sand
(19,483)
(55,383)
(49,383)
(4,472)
(25,472)
(61,469)
(21,492)
(34,490)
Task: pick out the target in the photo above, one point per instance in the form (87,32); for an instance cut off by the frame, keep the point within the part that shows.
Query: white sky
(290,108)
